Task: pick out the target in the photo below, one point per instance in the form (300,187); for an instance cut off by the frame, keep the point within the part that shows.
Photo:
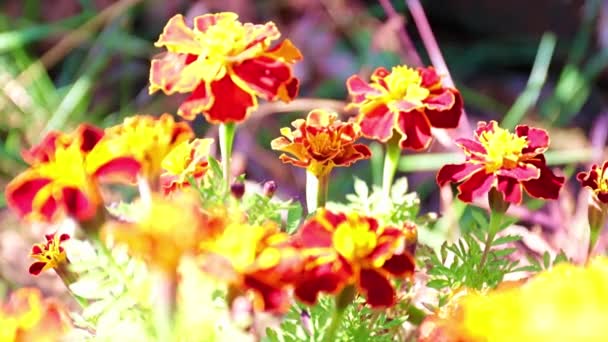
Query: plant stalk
(316,191)
(391,161)
(226,137)
(495,222)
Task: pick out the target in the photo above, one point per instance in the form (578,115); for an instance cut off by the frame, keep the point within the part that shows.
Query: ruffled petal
(377,123)
(22,190)
(37,267)
(121,169)
(174,73)
(203,22)
(285,51)
(351,154)
(510,189)
(199,101)
(177,37)
(444,110)
(325,278)
(267,77)
(400,265)
(377,290)
(456,173)
(415,129)
(358,89)
(231,103)
(78,205)
(538,139)
(548,185)
(476,186)
(521,172)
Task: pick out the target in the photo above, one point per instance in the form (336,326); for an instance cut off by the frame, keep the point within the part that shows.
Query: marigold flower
(164,230)
(224,65)
(596,179)
(49,254)
(321,142)
(566,303)
(63,176)
(148,139)
(26,316)
(349,249)
(253,259)
(408,100)
(503,160)
(185,161)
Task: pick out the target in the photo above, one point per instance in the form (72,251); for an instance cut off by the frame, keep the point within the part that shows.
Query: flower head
(63,176)
(321,142)
(505,161)
(596,179)
(224,65)
(565,303)
(148,139)
(164,230)
(408,100)
(349,249)
(254,260)
(49,254)
(26,316)
(187,160)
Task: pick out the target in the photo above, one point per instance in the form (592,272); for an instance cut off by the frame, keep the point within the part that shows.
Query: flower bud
(270,187)
(237,190)
(497,201)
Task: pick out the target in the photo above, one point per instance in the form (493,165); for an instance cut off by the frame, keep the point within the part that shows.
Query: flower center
(354,239)
(66,166)
(503,148)
(602,182)
(404,83)
(228,37)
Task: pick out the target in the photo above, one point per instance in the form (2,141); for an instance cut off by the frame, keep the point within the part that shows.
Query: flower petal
(273,299)
(351,154)
(377,123)
(285,51)
(471,147)
(415,129)
(430,78)
(199,101)
(538,139)
(455,173)
(78,204)
(377,290)
(231,103)
(22,190)
(476,186)
(444,110)
(267,76)
(510,189)
(36,268)
(324,278)
(400,265)
(203,22)
(548,185)
(358,89)
(521,172)
(177,37)
(121,169)
(174,73)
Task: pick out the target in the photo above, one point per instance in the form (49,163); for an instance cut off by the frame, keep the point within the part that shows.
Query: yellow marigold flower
(188,159)
(321,142)
(225,65)
(164,230)
(26,316)
(149,139)
(566,303)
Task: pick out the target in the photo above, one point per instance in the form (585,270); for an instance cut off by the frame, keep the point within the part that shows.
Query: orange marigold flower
(26,316)
(148,139)
(63,176)
(503,160)
(596,179)
(408,100)
(49,254)
(185,161)
(224,65)
(349,249)
(253,259)
(164,230)
(321,142)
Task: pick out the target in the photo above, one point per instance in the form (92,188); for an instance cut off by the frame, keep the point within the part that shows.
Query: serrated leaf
(546,260)
(438,284)
(506,239)
(294,215)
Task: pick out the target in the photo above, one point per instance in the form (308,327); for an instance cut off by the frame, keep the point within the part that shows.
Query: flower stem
(597,217)
(227,131)
(495,222)
(391,161)
(316,191)
(343,300)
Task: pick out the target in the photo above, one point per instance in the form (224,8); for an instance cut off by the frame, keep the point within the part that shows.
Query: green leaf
(294,215)
(438,284)
(506,239)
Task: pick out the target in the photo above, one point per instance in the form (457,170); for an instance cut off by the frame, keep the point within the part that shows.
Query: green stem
(227,131)
(495,222)
(391,161)
(334,326)
(597,217)
(316,191)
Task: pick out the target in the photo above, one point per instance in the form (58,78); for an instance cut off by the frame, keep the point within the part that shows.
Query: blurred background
(543,62)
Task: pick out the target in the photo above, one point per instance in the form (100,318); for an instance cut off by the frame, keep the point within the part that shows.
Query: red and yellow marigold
(63,176)
(149,139)
(596,180)
(26,316)
(224,65)
(321,142)
(186,161)
(255,260)
(50,254)
(407,100)
(508,162)
(341,250)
